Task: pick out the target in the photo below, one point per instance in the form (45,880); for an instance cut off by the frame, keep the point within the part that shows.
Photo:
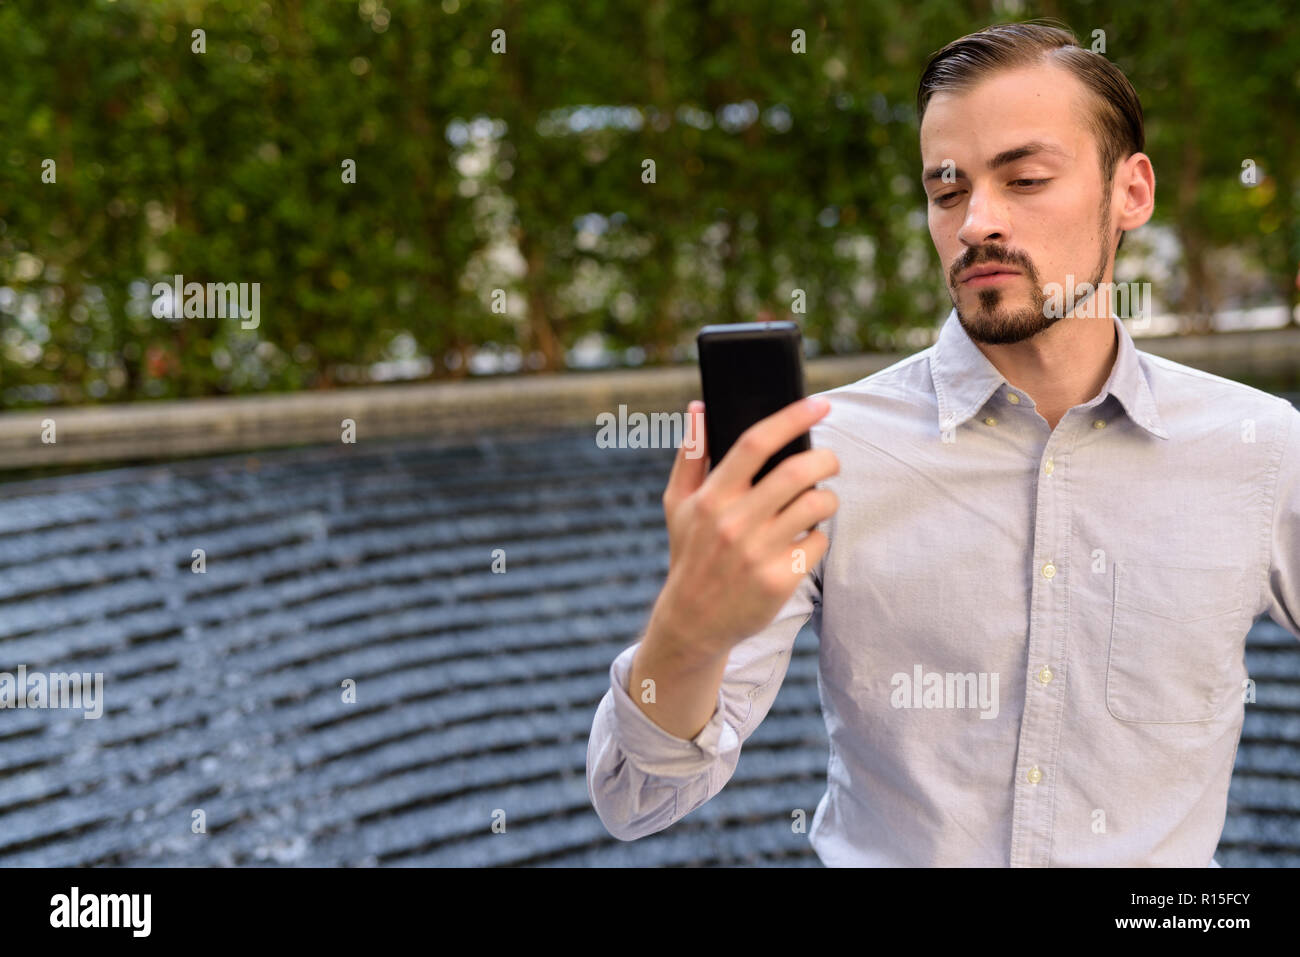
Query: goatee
(996,324)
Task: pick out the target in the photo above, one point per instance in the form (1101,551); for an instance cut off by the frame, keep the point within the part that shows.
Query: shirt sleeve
(641,778)
(1284,569)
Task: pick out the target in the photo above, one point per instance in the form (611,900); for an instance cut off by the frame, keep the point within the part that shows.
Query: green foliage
(225,166)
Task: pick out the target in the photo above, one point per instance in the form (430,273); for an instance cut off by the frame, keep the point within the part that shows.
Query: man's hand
(733,546)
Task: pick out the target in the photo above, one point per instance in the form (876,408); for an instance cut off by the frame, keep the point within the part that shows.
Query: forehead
(1043,103)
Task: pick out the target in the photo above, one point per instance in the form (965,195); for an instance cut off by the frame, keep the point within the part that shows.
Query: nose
(986,221)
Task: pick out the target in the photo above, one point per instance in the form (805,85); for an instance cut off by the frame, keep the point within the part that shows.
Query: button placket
(1034,788)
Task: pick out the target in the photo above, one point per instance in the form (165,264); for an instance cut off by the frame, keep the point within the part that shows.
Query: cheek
(1059,241)
(936,239)
(942,234)
(1082,224)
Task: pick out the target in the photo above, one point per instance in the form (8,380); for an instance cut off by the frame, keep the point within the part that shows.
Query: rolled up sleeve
(641,778)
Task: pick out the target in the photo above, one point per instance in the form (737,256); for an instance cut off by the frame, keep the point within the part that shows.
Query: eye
(1029,182)
(942,200)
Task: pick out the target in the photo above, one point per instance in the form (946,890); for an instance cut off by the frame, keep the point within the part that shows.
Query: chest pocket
(1176,642)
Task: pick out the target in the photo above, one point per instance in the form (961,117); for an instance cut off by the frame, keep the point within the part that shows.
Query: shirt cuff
(655,750)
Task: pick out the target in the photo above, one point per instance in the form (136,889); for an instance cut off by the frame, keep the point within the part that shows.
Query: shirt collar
(964,379)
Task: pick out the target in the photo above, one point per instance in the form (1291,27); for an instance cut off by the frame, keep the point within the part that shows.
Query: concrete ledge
(158,430)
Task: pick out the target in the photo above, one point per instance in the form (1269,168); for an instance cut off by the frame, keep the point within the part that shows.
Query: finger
(802,556)
(785,482)
(690,467)
(764,438)
(813,506)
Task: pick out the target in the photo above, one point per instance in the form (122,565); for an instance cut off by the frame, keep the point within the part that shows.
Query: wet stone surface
(223,691)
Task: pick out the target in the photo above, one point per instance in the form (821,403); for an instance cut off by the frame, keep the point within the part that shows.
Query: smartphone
(748,370)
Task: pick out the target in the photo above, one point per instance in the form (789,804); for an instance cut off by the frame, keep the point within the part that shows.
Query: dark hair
(1116,119)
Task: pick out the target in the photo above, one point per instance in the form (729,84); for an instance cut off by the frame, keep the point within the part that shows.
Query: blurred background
(457,251)
(521,171)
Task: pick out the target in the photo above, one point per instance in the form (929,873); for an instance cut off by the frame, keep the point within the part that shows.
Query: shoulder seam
(898,366)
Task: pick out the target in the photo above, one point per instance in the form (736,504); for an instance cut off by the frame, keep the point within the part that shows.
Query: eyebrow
(1002,159)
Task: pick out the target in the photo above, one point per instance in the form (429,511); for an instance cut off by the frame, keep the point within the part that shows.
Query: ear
(1135,190)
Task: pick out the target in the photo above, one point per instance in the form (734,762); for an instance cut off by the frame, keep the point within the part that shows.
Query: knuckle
(750,441)
(706,506)
(730,532)
(793,469)
(751,559)
(820,464)
(807,472)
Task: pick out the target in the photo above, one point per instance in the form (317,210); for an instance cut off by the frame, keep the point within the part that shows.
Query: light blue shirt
(1031,640)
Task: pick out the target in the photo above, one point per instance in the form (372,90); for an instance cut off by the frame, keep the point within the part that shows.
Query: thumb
(690,467)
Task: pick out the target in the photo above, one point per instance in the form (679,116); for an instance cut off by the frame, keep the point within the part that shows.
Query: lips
(988,270)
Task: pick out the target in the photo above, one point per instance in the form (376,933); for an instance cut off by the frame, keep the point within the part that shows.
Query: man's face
(1024,191)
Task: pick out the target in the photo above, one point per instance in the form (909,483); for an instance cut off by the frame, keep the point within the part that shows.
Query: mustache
(981,255)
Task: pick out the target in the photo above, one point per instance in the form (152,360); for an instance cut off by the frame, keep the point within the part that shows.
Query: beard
(1002,316)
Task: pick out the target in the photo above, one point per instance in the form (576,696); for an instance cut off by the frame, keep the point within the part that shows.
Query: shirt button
(1049,467)
(1049,570)
(1013,398)
(1045,675)
(1098,423)
(990,421)
(1034,775)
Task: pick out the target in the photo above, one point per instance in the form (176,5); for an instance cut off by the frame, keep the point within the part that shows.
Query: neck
(1063,366)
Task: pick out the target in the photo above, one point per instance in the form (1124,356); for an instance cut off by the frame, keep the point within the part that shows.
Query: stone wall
(454,410)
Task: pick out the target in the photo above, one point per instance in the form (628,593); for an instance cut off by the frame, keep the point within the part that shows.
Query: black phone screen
(749,370)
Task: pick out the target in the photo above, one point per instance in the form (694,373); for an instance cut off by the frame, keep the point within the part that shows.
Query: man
(1038,550)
